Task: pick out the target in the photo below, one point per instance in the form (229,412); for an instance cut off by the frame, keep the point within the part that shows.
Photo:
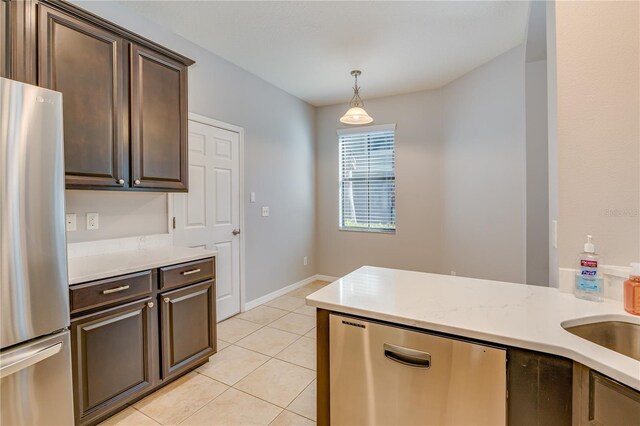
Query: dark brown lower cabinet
(600,400)
(130,338)
(188,326)
(112,357)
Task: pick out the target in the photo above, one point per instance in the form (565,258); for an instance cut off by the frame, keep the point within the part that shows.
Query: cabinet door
(112,357)
(188,326)
(85,63)
(5,38)
(158,121)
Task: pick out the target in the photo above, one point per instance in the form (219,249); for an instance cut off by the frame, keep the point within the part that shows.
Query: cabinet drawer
(186,273)
(110,290)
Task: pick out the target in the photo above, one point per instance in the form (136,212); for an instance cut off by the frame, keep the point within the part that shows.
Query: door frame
(240,131)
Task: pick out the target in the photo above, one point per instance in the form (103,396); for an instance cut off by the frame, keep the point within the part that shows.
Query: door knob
(121,181)
(137,182)
(150,305)
(166,300)
(235,232)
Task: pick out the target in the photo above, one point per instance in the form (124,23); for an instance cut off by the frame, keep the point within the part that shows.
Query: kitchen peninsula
(528,322)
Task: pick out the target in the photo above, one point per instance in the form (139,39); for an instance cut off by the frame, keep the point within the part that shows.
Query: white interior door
(208,215)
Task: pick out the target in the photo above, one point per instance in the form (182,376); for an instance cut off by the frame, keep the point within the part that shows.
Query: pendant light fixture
(356,113)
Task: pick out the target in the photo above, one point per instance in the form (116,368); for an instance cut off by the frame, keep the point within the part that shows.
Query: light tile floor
(263,374)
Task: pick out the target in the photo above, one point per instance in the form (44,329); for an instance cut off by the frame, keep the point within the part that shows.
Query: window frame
(366,130)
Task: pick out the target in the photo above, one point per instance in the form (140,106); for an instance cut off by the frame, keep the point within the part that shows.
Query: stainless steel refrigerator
(35,361)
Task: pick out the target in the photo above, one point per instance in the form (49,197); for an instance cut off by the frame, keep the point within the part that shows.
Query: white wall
(537,174)
(484,170)
(122,214)
(279,155)
(459,179)
(598,128)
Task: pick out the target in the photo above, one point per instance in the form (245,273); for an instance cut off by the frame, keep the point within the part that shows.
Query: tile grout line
(144,414)
(270,357)
(302,415)
(195,412)
(208,401)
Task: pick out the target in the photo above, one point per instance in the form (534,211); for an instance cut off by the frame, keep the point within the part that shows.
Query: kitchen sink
(622,337)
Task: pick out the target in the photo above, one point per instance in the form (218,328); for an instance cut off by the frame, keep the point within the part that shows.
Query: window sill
(369,230)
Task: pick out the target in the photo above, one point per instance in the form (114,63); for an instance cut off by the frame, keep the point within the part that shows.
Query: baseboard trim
(281,292)
(325,278)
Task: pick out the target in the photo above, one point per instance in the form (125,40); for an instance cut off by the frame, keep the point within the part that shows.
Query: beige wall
(459,179)
(484,173)
(552,135)
(598,128)
(537,174)
(417,244)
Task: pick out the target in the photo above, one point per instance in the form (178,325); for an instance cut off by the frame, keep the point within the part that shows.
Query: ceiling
(308,48)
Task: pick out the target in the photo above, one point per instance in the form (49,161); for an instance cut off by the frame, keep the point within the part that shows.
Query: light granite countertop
(95,267)
(518,315)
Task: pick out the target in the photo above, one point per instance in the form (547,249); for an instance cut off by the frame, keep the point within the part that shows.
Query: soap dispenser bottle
(632,290)
(589,282)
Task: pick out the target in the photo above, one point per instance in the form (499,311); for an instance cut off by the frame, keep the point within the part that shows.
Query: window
(367,179)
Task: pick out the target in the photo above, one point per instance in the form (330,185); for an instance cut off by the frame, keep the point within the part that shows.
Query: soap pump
(589,283)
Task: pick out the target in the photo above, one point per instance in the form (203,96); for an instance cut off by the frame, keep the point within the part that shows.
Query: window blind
(367,181)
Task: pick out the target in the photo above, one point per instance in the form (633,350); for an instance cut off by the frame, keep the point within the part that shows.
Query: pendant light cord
(355,100)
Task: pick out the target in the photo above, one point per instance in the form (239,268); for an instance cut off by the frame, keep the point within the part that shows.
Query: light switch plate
(92,221)
(70,220)
(252,197)
(265,211)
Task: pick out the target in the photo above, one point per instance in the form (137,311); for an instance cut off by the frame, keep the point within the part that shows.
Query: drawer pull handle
(115,290)
(167,300)
(150,305)
(193,271)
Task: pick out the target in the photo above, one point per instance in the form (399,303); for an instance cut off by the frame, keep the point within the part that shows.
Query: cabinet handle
(150,305)
(137,181)
(167,300)
(193,271)
(115,290)
(121,181)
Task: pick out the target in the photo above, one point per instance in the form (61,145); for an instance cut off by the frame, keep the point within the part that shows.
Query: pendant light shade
(356,113)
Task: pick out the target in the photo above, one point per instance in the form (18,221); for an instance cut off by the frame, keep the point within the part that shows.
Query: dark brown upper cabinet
(86,63)
(158,121)
(124,96)
(5,46)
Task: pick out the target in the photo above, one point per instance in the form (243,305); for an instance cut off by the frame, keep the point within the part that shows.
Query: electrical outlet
(71,222)
(265,211)
(305,261)
(92,221)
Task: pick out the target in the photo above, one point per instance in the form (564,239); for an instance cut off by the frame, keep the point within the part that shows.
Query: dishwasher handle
(407,356)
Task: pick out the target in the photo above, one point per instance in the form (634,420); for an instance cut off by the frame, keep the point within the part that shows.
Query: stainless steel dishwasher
(389,375)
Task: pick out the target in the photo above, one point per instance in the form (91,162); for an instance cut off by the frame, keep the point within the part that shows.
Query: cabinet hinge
(173,221)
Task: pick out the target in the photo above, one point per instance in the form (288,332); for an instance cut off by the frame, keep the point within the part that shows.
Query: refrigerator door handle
(28,360)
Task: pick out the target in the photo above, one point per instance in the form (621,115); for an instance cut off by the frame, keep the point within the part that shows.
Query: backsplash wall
(121,214)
